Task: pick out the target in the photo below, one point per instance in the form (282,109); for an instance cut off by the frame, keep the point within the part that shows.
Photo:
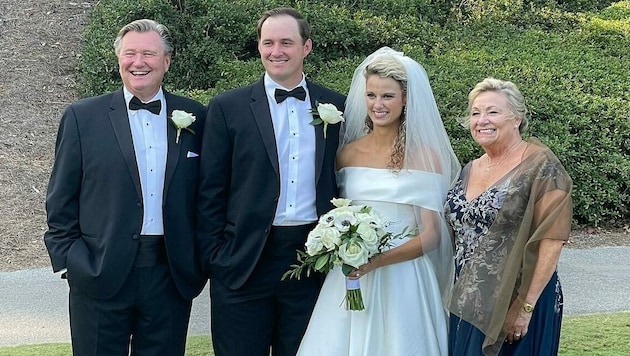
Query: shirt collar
(271,85)
(128,96)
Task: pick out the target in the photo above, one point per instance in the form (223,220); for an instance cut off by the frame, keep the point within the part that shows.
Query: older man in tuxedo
(121,206)
(266,175)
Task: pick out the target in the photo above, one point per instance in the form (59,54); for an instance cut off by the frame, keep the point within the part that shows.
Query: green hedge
(568,57)
(578,97)
(213,38)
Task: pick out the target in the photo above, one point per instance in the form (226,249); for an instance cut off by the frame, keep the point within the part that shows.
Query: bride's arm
(415,247)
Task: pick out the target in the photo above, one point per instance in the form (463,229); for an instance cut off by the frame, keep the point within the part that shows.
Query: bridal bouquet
(348,235)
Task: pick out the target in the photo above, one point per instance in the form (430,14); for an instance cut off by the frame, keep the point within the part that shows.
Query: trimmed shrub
(570,63)
(210,34)
(578,103)
(98,66)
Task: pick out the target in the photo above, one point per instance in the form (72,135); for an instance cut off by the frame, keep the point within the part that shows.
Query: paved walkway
(33,303)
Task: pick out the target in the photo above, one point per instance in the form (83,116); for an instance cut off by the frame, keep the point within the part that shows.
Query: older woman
(510,214)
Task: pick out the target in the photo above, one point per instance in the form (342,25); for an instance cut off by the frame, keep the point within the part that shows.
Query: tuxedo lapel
(173,148)
(120,123)
(262,115)
(320,141)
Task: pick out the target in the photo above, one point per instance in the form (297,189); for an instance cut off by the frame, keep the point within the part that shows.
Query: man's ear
(308,47)
(167,62)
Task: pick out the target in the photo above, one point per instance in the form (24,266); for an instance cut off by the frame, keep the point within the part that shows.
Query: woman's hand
(368,267)
(516,322)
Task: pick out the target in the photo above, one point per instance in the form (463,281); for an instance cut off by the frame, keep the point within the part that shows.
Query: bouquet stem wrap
(354,299)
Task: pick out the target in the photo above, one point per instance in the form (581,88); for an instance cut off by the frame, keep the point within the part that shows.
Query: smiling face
(385,100)
(142,63)
(492,123)
(282,50)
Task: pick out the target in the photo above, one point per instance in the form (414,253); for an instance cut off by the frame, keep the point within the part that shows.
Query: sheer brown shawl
(503,263)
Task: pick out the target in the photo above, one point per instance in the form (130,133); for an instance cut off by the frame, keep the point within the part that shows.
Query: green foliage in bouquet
(348,236)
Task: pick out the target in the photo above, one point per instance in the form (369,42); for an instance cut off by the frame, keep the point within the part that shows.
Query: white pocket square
(191,154)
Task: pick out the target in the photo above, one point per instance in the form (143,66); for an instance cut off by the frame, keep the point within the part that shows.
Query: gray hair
(515,99)
(146,25)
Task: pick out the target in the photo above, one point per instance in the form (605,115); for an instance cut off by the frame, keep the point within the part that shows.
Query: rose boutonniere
(327,114)
(182,119)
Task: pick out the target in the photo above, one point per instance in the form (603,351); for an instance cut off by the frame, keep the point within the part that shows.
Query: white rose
(329,113)
(313,242)
(353,253)
(364,218)
(330,238)
(340,202)
(182,119)
(349,209)
(369,236)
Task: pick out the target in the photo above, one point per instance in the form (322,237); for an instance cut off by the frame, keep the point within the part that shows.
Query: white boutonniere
(326,114)
(182,119)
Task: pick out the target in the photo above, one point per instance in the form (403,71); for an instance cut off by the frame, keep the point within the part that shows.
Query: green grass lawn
(587,335)
(596,335)
(196,346)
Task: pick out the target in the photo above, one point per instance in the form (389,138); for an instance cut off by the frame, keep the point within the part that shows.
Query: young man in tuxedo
(266,176)
(121,206)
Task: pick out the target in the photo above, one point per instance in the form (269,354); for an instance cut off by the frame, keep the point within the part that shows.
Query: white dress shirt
(295,142)
(150,145)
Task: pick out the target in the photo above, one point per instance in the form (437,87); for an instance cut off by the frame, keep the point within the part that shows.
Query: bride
(396,157)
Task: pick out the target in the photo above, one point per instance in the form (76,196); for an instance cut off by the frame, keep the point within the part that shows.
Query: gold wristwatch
(527,308)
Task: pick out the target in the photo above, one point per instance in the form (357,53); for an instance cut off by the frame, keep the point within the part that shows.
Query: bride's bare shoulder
(351,153)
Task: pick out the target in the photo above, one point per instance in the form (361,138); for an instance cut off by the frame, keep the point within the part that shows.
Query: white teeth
(486,131)
(140,73)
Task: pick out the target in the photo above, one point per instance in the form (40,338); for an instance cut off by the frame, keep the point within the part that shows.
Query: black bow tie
(298,93)
(154,106)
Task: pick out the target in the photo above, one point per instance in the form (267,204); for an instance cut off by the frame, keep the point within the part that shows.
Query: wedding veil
(427,148)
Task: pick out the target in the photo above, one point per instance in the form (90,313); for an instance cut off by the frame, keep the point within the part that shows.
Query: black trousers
(267,313)
(147,316)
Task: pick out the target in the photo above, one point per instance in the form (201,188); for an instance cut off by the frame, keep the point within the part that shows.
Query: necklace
(505,156)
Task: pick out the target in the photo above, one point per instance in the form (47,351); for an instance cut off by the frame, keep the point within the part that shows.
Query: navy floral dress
(470,221)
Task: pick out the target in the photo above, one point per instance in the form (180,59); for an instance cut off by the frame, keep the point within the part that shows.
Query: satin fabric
(404,314)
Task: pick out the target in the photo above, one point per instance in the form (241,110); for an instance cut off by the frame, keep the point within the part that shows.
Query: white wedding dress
(404,314)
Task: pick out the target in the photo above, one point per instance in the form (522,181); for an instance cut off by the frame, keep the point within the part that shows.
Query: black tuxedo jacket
(240,179)
(94,201)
